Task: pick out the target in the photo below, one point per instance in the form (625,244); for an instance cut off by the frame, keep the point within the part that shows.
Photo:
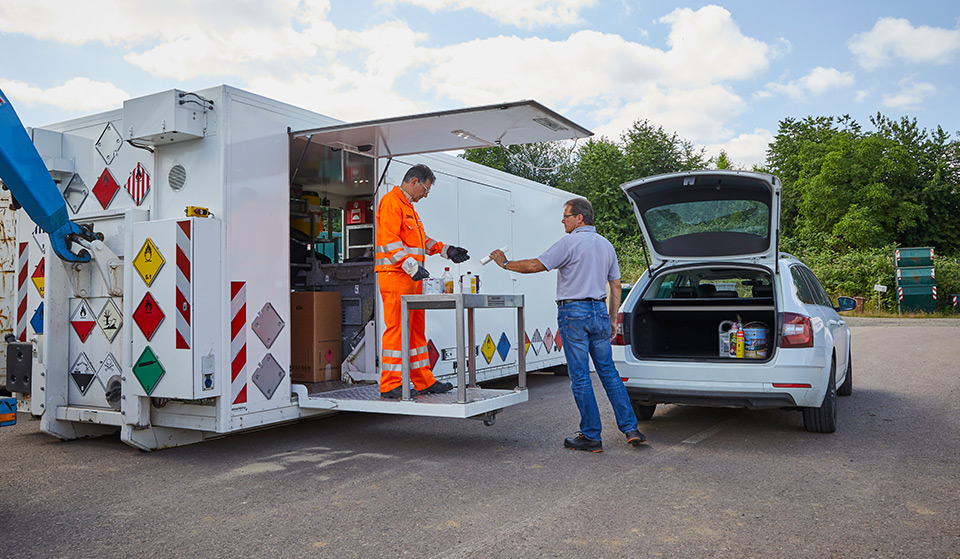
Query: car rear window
(710,216)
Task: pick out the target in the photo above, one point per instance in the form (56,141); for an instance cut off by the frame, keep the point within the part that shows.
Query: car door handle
(834,322)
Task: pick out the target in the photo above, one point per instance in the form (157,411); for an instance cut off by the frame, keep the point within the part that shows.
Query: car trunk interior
(683,314)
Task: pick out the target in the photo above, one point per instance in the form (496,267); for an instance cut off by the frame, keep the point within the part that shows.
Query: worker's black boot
(437,387)
(397,393)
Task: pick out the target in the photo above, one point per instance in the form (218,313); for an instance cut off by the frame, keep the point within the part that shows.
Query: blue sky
(721,74)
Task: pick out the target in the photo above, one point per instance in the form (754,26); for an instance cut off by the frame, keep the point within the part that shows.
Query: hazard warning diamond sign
(83,373)
(138,185)
(106,188)
(109,143)
(82,320)
(148,261)
(557,340)
(148,370)
(536,341)
(110,320)
(503,346)
(548,341)
(488,348)
(37,277)
(108,369)
(433,353)
(148,316)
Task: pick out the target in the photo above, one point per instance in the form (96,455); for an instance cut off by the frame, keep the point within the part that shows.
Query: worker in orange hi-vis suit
(402,246)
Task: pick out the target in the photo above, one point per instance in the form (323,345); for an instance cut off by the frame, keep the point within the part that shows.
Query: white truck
(162,308)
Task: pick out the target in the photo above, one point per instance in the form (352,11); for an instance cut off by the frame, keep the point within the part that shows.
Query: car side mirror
(845,304)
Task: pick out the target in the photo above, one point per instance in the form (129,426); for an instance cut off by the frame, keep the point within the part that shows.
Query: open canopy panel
(505,124)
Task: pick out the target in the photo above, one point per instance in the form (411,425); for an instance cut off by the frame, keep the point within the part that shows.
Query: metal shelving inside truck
(204,214)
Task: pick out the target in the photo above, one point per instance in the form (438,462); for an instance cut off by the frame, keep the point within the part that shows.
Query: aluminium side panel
(256,214)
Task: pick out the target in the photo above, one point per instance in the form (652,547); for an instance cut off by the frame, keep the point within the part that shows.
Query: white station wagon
(714,268)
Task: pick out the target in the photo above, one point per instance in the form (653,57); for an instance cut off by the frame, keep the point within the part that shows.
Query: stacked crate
(916,281)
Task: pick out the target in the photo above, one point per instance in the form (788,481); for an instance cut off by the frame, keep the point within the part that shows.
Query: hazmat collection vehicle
(201,263)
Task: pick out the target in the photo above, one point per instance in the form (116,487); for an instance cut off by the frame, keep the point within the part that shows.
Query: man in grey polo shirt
(586,263)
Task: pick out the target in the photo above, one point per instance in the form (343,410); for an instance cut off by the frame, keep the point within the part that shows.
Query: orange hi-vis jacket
(400,234)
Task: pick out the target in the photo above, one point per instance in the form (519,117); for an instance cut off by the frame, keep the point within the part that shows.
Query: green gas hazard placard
(148,370)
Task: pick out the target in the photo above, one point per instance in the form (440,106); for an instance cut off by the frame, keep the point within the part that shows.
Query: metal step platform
(466,401)
(366,398)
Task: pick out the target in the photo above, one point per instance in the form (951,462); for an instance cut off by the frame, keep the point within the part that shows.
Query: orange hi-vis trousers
(392,286)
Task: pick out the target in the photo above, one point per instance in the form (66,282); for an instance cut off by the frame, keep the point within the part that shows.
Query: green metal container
(916,276)
(912,257)
(917,298)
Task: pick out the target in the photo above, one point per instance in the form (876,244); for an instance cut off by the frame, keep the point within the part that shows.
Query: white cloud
(745,150)
(698,115)
(288,50)
(861,95)
(911,95)
(77,94)
(897,38)
(522,13)
(707,45)
(817,82)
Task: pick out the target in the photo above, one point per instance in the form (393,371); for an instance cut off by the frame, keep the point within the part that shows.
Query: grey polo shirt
(584,261)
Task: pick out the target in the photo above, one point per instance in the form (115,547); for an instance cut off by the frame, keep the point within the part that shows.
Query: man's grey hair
(420,172)
(581,206)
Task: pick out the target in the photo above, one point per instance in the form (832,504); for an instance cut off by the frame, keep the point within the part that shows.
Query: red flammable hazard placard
(83,320)
(148,316)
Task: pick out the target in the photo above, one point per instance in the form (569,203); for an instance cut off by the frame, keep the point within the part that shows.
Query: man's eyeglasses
(565,216)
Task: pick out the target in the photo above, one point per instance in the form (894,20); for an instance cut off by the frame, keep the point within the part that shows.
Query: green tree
(549,163)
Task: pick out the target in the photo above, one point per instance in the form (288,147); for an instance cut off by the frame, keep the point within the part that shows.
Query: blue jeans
(585,331)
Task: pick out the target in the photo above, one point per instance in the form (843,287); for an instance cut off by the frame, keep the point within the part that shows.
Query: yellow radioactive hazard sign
(148,262)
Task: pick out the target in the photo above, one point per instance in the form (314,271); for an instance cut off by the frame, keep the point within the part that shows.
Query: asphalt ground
(711,482)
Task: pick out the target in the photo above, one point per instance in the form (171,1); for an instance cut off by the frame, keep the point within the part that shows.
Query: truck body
(214,206)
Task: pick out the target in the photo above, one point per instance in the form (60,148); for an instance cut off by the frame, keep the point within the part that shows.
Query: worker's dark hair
(581,206)
(420,172)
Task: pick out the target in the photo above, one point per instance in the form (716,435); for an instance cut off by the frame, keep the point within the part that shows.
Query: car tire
(824,418)
(846,388)
(643,412)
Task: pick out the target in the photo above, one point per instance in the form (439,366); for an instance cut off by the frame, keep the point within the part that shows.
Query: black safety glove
(457,254)
(421,274)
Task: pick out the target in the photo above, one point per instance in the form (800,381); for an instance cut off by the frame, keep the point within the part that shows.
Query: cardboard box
(315,354)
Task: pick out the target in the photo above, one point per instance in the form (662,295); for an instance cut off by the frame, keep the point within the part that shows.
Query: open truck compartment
(682,314)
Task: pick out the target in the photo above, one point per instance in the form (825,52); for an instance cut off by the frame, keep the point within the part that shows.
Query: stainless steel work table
(460,302)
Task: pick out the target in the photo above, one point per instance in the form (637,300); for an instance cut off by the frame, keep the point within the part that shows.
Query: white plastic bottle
(447,279)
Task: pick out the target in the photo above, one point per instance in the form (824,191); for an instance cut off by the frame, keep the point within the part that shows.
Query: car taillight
(797,331)
(618,332)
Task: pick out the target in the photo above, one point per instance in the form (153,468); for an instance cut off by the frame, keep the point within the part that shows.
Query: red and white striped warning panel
(138,185)
(900,293)
(934,292)
(238,341)
(23,261)
(184,257)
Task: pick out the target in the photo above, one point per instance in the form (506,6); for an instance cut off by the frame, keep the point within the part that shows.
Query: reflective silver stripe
(391,246)
(420,363)
(383,262)
(430,243)
(396,257)
(395,353)
(415,250)
(396,367)
(418,351)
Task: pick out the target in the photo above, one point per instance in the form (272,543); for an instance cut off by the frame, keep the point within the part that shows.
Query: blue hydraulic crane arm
(25,175)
